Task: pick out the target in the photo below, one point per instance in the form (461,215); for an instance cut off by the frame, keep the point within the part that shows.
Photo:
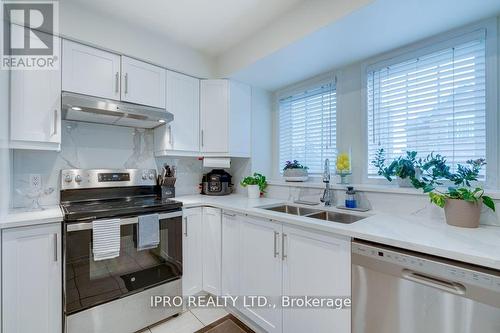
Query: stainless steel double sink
(316,213)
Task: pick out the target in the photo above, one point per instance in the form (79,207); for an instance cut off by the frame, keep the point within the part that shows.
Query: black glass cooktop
(95,209)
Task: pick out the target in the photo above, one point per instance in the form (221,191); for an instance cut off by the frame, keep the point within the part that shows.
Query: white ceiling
(211,26)
(375,28)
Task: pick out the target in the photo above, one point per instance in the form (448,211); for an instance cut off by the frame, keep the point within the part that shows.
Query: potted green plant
(256,185)
(461,202)
(404,168)
(295,172)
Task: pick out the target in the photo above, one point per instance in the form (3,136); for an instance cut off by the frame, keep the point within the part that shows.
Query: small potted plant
(461,202)
(295,172)
(404,168)
(256,185)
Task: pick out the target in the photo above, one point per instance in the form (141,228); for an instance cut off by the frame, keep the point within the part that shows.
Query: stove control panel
(99,178)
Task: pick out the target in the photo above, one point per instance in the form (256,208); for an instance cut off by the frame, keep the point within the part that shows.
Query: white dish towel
(106,239)
(148,234)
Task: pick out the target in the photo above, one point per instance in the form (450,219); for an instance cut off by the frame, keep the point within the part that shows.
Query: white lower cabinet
(212,231)
(201,251)
(32,279)
(231,264)
(192,251)
(265,258)
(261,269)
(316,265)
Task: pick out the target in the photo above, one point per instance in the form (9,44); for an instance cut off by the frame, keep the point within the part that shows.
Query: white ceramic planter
(253,191)
(404,182)
(295,175)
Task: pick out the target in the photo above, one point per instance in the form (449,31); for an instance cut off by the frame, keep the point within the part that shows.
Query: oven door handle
(124,221)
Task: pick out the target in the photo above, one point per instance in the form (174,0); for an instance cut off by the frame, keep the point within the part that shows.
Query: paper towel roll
(217,162)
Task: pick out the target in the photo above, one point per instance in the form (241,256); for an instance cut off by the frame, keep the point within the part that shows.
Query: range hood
(90,109)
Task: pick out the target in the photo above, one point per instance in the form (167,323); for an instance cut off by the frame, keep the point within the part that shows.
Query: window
(307,127)
(432,103)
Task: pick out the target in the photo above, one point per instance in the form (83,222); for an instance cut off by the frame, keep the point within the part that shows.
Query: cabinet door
(261,269)
(231,224)
(240,119)
(316,265)
(143,83)
(214,114)
(31,279)
(183,100)
(35,112)
(192,278)
(90,71)
(212,250)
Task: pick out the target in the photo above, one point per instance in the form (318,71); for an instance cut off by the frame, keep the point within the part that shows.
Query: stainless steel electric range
(114,295)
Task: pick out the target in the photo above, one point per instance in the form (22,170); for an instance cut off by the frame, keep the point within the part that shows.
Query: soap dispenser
(350,198)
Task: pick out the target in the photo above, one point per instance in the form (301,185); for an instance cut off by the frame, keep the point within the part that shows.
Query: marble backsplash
(83,146)
(103,146)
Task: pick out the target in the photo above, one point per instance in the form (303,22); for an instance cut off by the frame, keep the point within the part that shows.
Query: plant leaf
(488,202)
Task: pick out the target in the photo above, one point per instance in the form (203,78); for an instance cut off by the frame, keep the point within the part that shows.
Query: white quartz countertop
(22,217)
(479,246)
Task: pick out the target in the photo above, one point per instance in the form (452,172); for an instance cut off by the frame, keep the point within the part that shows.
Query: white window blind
(307,127)
(433,103)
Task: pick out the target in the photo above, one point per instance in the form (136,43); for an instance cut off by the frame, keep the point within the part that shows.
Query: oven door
(89,283)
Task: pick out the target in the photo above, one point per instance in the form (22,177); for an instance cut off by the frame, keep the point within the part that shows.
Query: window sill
(394,189)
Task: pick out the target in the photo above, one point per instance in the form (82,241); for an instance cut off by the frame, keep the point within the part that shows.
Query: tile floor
(189,321)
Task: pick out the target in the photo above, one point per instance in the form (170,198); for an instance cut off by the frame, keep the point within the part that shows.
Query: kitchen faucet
(327,193)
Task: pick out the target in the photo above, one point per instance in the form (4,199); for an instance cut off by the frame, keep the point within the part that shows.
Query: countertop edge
(21,218)
(344,231)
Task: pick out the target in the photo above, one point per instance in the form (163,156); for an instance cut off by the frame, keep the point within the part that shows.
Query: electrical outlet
(35,182)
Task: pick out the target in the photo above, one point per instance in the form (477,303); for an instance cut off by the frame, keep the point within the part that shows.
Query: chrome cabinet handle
(202,139)
(170,134)
(55,122)
(227,214)
(185,226)
(126,83)
(276,236)
(283,255)
(117,82)
(55,248)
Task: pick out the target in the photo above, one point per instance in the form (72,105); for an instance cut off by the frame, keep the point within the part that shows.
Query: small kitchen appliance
(113,295)
(217,182)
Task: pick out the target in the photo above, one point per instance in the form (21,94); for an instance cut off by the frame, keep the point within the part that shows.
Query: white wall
(351,110)
(94,28)
(291,26)
(262,129)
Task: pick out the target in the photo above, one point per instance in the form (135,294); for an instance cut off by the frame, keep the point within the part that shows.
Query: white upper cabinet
(32,279)
(183,101)
(225,108)
(143,83)
(35,109)
(90,71)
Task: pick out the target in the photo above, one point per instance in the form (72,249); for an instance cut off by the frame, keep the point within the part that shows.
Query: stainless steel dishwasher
(398,291)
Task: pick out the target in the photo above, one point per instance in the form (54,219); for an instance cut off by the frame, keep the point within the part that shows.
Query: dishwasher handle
(430,281)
